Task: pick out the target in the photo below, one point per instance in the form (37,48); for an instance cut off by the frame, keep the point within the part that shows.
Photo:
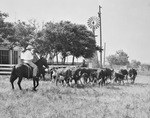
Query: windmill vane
(93,22)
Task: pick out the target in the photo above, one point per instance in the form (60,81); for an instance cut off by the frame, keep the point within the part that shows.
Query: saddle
(30,69)
(28,65)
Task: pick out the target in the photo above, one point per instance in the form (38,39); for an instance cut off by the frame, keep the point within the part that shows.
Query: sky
(125,24)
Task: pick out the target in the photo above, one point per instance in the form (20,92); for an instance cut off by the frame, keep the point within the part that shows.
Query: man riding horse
(28,69)
(29,57)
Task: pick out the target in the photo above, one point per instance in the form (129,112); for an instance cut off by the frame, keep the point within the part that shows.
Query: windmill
(94,23)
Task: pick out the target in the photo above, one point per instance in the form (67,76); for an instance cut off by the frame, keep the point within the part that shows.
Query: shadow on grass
(108,86)
(140,84)
(113,87)
(80,86)
(28,90)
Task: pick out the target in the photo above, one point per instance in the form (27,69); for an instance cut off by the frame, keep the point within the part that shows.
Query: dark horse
(24,70)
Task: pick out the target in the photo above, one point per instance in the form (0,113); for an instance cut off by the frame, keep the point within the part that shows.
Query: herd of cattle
(69,75)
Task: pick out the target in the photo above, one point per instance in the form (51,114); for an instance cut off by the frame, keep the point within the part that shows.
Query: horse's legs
(19,83)
(43,76)
(12,79)
(34,79)
(35,82)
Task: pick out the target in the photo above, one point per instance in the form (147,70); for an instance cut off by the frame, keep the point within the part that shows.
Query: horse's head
(42,61)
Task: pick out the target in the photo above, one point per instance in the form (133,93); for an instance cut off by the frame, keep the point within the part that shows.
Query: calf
(125,73)
(65,73)
(52,72)
(85,73)
(132,74)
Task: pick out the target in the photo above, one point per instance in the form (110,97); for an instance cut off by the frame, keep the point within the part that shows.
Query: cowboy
(28,56)
(83,64)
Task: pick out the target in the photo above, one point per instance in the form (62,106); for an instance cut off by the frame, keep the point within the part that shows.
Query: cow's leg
(70,81)
(127,79)
(119,81)
(57,79)
(100,82)
(83,80)
(63,81)
(133,80)
(51,75)
(76,80)
(103,81)
(123,81)
(43,75)
(67,81)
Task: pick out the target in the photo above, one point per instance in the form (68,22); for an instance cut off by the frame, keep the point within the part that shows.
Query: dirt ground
(51,101)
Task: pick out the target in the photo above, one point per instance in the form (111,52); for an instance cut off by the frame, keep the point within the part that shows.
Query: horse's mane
(39,60)
(42,59)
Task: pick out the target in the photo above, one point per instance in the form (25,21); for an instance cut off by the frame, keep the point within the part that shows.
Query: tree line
(121,58)
(61,38)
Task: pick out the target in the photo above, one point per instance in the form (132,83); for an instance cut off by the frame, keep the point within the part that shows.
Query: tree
(63,38)
(135,64)
(112,60)
(51,35)
(6,31)
(3,31)
(66,38)
(145,67)
(82,42)
(24,33)
(120,58)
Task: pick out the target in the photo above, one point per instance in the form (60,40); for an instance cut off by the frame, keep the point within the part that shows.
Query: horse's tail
(13,74)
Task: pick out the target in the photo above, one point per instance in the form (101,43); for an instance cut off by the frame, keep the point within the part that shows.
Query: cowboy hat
(29,47)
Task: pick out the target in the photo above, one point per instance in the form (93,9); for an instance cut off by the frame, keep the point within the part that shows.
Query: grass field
(50,101)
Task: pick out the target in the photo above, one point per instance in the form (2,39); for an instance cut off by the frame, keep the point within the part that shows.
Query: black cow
(90,74)
(43,72)
(124,72)
(76,74)
(103,74)
(119,77)
(132,74)
(85,73)
(100,77)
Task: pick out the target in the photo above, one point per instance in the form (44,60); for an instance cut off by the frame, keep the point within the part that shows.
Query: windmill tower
(93,23)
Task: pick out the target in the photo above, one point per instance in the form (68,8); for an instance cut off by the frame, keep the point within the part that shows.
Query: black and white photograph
(74,59)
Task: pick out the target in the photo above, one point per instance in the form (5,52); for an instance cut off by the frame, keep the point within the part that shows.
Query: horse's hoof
(34,89)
